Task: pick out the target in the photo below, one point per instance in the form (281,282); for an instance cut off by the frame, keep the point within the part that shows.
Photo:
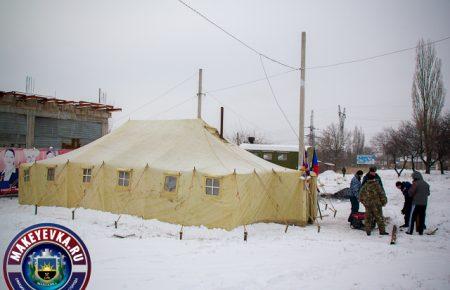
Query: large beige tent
(177,171)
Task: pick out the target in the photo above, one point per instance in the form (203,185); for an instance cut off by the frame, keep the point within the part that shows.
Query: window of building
(170,183)
(282,156)
(26,175)
(50,174)
(212,186)
(124,178)
(267,155)
(87,174)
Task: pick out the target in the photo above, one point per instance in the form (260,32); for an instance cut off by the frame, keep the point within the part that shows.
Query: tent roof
(169,145)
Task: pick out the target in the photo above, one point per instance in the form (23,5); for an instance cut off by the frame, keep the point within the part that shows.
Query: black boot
(368,233)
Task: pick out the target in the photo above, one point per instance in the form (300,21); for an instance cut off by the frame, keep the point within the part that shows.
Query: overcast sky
(137,50)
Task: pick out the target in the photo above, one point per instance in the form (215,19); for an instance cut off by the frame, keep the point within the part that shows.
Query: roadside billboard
(365,159)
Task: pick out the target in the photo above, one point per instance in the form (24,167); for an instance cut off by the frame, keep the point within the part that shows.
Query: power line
(250,82)
(275,98)
(236,38)
(173,107)
(235,112)
(324,66)
(372,57)
(158,97)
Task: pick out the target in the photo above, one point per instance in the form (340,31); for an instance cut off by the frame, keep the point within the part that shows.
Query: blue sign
(365,159)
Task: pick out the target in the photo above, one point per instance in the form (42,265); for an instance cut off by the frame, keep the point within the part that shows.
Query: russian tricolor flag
(315,163)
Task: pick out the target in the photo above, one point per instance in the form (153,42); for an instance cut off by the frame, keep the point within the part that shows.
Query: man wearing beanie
(355,186)
(373,198)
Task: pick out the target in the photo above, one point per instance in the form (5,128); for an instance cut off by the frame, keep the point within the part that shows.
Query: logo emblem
(47,256)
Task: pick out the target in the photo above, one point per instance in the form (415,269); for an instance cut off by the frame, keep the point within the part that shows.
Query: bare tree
(428,99)
(397,149)
(410,141)
(332,144)
(380,143)
(442,140)
(358,139)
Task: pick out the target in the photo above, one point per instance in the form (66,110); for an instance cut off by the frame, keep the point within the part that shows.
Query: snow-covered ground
(302,258)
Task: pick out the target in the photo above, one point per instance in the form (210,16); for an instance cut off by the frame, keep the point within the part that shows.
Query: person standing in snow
(355,186)
(373,198)
(406,210)
(373,172)
(419,192)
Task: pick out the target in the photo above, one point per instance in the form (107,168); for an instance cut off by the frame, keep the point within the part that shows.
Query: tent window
(170,183)
(124,178)
(267,156)
(87,174)
(282,156)
(50,174)
(26,175)
(212,186)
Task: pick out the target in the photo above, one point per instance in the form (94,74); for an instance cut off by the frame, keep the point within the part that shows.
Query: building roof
(271,147)
(21,96)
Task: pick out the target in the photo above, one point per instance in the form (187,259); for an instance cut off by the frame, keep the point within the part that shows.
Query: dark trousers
(407,212)
(355,206)
(418,214)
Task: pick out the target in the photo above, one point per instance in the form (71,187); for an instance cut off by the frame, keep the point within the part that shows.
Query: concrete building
(29,120)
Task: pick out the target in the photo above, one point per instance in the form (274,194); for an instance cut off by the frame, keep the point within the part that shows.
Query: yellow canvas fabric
(250,189)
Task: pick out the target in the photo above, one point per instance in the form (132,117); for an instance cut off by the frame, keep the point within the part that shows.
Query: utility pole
(199,94)
(99,95)
(342,117)
(301,128)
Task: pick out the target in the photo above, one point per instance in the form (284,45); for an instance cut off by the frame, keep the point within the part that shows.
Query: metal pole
(301,129)
(221,122)
(199,94)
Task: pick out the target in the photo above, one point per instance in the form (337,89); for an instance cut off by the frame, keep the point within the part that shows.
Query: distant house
(283,155)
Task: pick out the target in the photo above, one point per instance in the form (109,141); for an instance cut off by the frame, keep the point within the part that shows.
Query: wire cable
(372,57)
(158,97)
(235,38)
(240,116)
(171,108)
(276,100)
(324,66)
(250,82)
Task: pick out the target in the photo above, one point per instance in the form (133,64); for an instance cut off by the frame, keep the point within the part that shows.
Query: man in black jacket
(406,210)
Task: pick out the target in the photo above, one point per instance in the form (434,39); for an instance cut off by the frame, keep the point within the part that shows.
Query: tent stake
(245,234)
(181,233)
(318,207)
(115,224)
(318,228)
(285,230)
(35,209)
(73,214)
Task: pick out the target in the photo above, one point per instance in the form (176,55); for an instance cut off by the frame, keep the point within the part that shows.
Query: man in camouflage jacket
(373,198)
